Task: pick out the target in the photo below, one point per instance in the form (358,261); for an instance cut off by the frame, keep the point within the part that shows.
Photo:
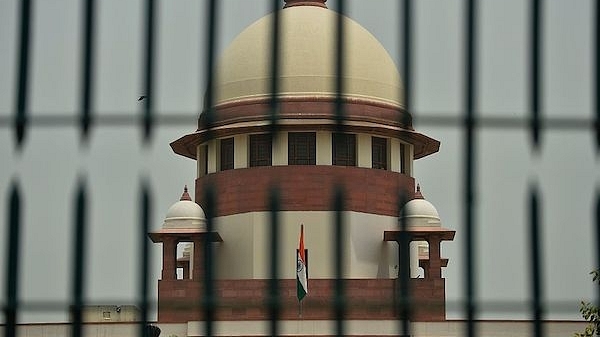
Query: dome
(307,60)
(420,212)
(185,214)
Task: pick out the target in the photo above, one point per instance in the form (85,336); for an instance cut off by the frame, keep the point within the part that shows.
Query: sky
(52,161)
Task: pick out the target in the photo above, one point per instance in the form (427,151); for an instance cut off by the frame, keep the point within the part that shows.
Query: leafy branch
(591,313)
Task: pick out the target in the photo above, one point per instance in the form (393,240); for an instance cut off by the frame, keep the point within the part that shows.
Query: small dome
(420,212)
(308,52)
(185,213)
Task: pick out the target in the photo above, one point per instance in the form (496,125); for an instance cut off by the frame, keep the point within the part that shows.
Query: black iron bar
(339,302)
(597,76)
(597,244)
(148,114)
(145,210)
(404,295)
(404,292)
(274,301)
(469,166)
(536,66)
(340,62)
(13,238)
(21,118)
(209,300)
(210,56)
(275,63)
(406,45)
(87,72)
(424,119)
(210,193)
(535,243)
(79,256)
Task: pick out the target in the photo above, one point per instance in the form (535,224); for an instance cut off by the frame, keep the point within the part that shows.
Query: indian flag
(301,276)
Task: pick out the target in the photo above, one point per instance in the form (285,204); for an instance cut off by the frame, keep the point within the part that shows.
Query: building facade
(310,157)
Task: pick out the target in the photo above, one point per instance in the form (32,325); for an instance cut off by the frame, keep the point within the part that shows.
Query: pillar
(435,260)
(414,259)
(198,259)
(169,271)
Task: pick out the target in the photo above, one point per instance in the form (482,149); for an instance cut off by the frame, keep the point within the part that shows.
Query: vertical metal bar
(404,242)
(470,165)
(88,55)
(145,209)
(597,79)
(536,63)
(338,202)
(13,237)
(340,65)
(407,58)
(405,299)
(21,117)
(274,303)
(339,292)
(79,255)
(209,303)
(211,47)
(536,263)
(148,115)
(597,266)
(275,59)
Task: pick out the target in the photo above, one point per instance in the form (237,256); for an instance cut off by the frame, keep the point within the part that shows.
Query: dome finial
(185,195)
(418,194)
(292,3)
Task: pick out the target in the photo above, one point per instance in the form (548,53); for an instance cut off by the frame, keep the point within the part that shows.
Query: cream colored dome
(307,60)
(420,212)
(185,214)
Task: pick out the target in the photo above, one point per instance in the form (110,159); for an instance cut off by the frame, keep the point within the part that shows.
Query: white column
(414,259)
(394,155)
(324,148)
(212,155)
(410,154)
(280,149)
(240,151)
(364,151)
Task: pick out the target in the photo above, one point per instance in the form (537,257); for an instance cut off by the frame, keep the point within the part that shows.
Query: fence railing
(21,123)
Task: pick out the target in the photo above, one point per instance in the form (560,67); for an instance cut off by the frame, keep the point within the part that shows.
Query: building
(370,160)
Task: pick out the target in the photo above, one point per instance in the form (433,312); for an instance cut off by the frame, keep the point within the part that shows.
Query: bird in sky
(141,97)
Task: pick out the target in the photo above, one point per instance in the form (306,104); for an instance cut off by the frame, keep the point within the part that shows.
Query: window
(379,153)
(260,150)
(302,148)
(226,154)
(344,149)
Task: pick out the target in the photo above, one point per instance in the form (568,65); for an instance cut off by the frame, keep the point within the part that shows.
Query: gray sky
(566,169)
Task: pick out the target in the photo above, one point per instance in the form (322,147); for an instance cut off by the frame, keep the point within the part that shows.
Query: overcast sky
(48,168)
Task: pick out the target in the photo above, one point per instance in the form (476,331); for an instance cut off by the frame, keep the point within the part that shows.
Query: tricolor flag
(301,276)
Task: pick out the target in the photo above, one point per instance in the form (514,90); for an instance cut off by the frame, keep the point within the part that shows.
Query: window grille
(302,149)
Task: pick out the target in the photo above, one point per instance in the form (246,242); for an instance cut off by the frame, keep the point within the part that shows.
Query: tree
(590,313)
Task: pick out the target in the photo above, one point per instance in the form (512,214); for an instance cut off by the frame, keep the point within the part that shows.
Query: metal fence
(21,123)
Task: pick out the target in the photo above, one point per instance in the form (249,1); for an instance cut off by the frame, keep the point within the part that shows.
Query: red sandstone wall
(305,188)
(180,300)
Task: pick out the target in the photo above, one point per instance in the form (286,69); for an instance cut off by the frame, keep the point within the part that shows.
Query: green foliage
(591,313)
